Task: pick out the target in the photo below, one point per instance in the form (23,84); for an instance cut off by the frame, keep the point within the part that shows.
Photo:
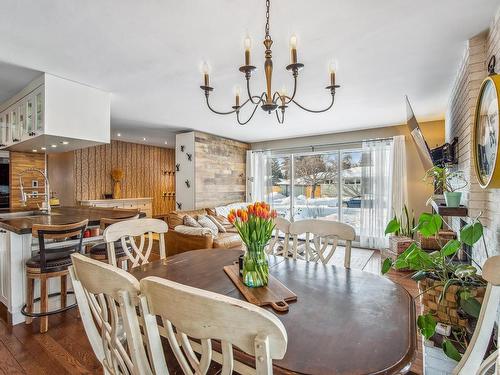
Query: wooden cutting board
(275,294)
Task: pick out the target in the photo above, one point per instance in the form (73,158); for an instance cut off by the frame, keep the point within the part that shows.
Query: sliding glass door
(319,185)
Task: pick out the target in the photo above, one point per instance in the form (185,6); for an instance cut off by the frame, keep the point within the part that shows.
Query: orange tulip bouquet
(255,225)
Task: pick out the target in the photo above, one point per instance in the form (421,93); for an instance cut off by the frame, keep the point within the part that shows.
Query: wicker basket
(432,243)
(445,311)
(398,244)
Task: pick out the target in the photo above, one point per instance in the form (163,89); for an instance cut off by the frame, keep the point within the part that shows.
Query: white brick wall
(459,123)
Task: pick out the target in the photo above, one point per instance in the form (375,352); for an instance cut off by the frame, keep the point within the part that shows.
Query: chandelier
(278,101)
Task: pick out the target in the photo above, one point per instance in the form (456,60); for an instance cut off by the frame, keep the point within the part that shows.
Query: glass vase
(255,266)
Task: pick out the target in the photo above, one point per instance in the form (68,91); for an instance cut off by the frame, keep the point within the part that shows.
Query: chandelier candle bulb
(237,94)
(248,45)
(205,70)
(332,68)
(293,49)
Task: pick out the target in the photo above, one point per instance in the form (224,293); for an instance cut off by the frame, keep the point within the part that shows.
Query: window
(322,185)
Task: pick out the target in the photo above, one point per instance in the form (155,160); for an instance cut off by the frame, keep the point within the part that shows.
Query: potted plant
(450,291)
(255,226)
(448,182)
(401,228)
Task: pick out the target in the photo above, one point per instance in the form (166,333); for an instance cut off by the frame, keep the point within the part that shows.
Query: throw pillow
(193,231)
(190,222)
(219,225)
(205,222)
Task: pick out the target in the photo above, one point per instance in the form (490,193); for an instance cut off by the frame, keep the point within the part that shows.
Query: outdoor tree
(315,170)
(277,170)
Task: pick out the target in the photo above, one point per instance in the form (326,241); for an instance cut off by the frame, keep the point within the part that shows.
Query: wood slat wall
(143,167)
(220,170)
(20,161)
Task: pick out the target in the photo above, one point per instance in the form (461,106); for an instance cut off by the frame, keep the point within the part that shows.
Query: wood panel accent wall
(20,161)
(143,168)
(220,170)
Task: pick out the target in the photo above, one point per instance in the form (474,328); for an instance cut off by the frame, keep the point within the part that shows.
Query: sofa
(184,239)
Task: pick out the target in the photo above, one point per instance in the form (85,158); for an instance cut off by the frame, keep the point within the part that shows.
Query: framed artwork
(485,136)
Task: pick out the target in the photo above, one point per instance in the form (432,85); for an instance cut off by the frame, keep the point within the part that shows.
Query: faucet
(24,196)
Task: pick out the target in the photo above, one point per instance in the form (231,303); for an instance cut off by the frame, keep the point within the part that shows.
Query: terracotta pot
(117,190)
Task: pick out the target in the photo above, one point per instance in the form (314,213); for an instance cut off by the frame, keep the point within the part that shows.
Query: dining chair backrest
(133,235)
(325,238)
(205,316)
(106,222)
(473,361)
(281,238)
(107,298)
(46,233)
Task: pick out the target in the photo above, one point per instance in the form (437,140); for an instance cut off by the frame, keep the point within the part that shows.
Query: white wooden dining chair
(190,313)
(280,242)
(473,362)
(134,234)
(324,242)
(107,298)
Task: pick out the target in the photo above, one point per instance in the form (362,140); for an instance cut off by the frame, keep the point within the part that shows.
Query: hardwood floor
(64,349)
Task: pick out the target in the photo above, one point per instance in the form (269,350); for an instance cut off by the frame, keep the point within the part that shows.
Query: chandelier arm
(248,120)
(252,97)
(218,112)
(294,90)
(313,110)
(282,117)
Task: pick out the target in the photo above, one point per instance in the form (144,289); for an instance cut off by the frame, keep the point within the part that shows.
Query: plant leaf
(471,233)
(392,227)
(427,325)
(450,248)
(428,224)
(450,350)
(386,266)
(471,306)
(465,270)
(420,275)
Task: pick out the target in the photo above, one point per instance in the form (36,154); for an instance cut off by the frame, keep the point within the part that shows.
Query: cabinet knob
(3,231)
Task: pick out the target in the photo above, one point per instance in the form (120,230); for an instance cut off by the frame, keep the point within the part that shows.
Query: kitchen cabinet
(4,266)
(53,114)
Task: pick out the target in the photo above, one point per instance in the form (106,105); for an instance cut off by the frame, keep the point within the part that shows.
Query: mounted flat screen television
(424,152)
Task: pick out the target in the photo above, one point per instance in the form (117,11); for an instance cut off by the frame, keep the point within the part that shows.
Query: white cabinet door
(3,127)
(4,267)
(29,105)
(39,110)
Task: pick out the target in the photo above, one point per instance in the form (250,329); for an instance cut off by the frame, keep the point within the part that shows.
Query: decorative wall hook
(491,65)
(189,156)
(177,167)
(188,184)
(182,148)
(179,205)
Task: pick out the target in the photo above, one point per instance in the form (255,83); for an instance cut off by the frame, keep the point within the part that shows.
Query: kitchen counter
(17,245)
(59,215)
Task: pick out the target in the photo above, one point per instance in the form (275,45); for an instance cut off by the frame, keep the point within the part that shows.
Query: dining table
(344,321)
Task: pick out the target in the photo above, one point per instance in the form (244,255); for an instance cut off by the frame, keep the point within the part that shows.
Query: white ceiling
(148,53)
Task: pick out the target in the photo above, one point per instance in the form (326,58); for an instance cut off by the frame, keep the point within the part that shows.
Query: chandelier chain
(268,5)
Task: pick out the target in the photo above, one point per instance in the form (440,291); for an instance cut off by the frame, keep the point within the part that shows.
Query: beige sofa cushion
(205,222)
(199,231)
(190,222)
(176,218)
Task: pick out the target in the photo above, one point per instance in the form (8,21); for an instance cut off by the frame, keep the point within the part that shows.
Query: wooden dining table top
(344,321)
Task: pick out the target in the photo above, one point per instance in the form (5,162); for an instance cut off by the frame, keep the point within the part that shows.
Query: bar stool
(99,251)
(56,244)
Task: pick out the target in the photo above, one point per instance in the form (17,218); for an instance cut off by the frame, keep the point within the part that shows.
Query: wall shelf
(441,208)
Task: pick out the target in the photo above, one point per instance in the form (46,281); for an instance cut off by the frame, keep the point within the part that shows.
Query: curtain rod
(323,145)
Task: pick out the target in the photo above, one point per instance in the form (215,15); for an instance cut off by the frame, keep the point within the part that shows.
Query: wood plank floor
(64,349)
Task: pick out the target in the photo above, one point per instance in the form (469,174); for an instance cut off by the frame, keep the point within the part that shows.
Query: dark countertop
(61,215)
